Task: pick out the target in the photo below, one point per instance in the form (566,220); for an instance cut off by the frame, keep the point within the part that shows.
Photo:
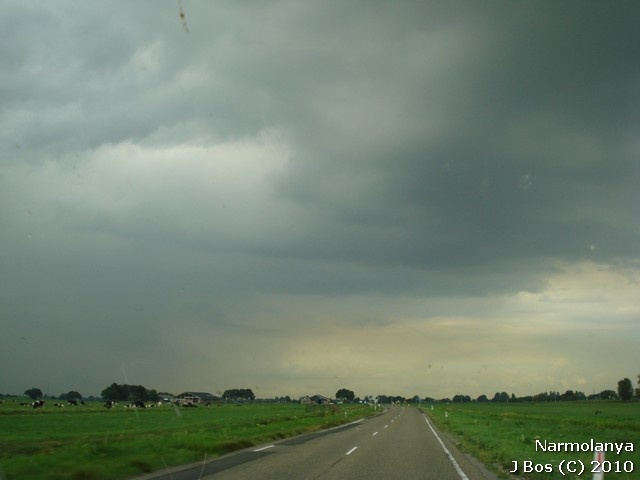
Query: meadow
(92,442)
(500,433)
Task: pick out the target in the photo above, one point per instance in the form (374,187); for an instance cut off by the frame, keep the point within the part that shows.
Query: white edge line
(263,448)
(351,451)
(447,452)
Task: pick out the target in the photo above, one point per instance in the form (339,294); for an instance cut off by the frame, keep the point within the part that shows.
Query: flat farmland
(92,442)
(501,434)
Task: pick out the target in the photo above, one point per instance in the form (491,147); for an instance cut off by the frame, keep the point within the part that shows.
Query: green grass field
(92,442)
(499,434)
(95,443)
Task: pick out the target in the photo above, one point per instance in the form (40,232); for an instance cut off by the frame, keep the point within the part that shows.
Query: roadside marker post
(598,456)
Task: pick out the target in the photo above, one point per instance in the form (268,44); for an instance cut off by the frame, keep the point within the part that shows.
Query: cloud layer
(430,199)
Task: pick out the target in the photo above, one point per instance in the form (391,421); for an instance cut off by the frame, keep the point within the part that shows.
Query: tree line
(625,392)
(238,395)
(34,393)
(129,393)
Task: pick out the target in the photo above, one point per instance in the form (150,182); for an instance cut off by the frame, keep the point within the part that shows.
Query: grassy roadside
(499,434)
(95,443)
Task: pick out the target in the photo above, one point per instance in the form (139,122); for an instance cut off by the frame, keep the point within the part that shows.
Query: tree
(608,395)
(501,397)
(238,395)
(71,395)
(345,395)
(33,393)
(638,389)
(113,392)
(459,398)
(625,389)
(569,395)
(129,393)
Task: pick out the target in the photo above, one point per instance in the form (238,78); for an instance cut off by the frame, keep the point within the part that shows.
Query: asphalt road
(400,443)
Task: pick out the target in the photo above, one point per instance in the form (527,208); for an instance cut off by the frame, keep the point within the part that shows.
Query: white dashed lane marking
(263,448)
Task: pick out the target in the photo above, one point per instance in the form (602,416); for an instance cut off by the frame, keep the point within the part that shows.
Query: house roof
(196,395)
(319,397)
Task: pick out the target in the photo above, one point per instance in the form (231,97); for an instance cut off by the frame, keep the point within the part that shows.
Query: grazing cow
(38,404)
(109,404)
(73,402)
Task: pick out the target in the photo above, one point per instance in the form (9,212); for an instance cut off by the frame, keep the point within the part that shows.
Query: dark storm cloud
(260,170)
(521,159)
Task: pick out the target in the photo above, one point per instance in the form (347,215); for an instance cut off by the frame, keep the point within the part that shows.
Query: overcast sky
(405,198)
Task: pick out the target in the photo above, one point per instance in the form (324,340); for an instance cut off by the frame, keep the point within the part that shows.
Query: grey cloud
(286,165)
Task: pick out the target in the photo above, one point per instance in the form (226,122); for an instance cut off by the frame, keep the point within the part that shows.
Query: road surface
(400,443)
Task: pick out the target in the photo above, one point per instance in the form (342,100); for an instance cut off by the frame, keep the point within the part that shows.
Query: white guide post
(598,456)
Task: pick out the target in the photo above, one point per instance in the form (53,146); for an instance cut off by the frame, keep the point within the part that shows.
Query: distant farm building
(315,399)
(196,398)
(320,400)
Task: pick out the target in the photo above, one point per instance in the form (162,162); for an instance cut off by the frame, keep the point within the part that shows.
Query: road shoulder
(471,466)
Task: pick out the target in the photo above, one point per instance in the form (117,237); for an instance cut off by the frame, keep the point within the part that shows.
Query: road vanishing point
(399,443)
